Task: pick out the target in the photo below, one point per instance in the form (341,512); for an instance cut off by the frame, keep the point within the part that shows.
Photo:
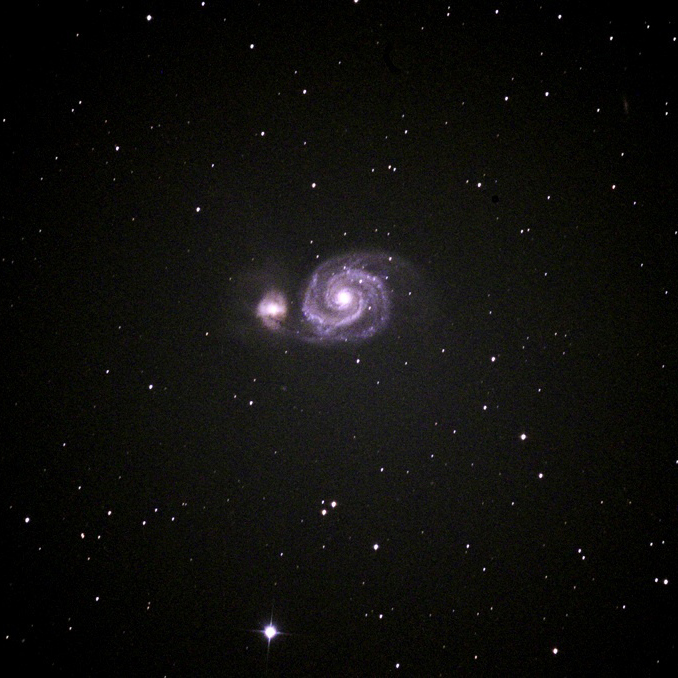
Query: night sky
(477,477)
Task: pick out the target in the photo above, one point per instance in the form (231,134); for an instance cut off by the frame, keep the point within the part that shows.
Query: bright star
(270,631)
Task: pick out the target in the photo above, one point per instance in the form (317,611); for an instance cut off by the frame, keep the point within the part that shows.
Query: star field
(364,309)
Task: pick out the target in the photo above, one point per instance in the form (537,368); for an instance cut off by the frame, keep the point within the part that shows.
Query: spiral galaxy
(348,298)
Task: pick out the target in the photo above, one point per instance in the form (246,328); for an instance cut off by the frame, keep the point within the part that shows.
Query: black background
(166,461)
